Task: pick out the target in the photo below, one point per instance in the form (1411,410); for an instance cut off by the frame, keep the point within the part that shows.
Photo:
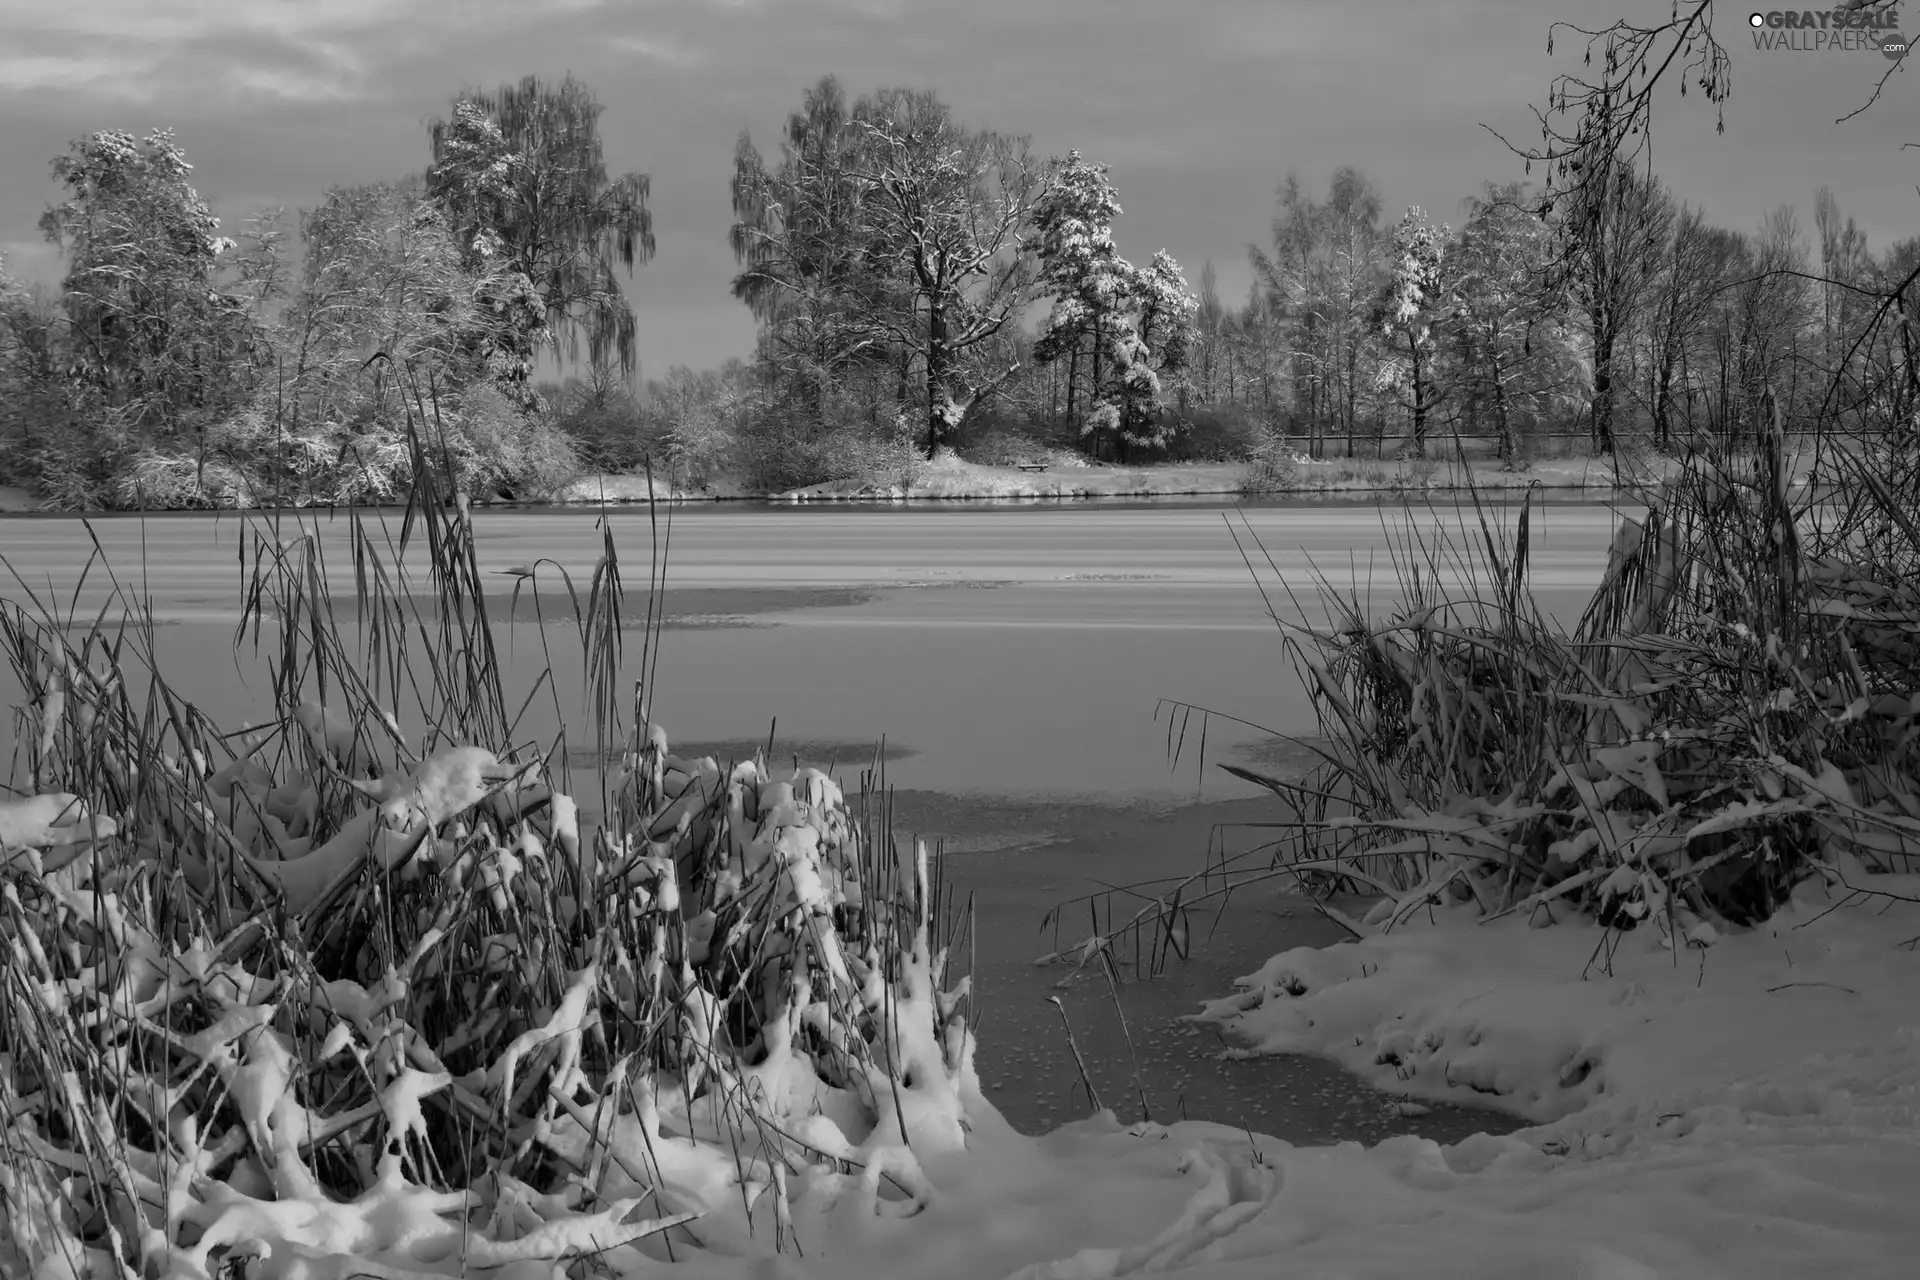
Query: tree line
(917,285)
(176,366)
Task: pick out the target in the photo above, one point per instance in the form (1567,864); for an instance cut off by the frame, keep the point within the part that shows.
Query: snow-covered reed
(1737,710)
(329,998)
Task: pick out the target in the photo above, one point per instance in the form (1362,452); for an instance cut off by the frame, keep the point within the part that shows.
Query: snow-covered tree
(381,271)
(155,340)
(949,210)
(1135,324)
(1413,301)
(1162,324)
(1088,281)
(809,268)
(522,177)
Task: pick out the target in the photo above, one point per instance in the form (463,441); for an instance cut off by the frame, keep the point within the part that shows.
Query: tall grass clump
(1737,709)
(348,995)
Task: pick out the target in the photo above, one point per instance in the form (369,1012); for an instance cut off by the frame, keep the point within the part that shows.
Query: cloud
(667,52)
(146,51)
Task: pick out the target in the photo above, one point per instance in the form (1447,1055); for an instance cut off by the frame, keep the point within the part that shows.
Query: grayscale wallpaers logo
(1855,30)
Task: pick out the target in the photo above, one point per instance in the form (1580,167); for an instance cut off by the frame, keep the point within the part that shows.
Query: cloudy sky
(1200,107)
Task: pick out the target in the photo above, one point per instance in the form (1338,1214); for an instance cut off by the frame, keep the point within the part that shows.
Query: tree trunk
(1073,381)
(1663,400)
(1502,421)
(1603,343)
(939,369)
(1419,402)
(1093,391)
(1353,392)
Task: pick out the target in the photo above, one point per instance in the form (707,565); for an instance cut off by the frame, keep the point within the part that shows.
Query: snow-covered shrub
(307,996)
(1737,711)
(510,451)
(885,456)
(166,481)
(1275,463)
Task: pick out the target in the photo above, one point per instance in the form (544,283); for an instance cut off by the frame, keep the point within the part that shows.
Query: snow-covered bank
(1548,1022)
(1748,1110)
(950,477)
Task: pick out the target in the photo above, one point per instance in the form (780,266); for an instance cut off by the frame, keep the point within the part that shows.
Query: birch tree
(522,175)
(1319,285)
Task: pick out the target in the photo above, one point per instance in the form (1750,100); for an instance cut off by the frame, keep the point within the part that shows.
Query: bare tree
(1210,319)
(1319,285)
(1772,313)
(1698,258)
(1614,231)
(1843,260)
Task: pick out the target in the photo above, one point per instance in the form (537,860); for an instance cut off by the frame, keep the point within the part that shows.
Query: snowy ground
(1748,1110)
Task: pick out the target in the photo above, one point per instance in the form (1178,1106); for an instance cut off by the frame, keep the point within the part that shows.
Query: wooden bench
(1032,466)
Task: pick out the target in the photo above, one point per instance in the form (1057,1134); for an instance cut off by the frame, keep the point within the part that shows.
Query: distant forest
(919,285)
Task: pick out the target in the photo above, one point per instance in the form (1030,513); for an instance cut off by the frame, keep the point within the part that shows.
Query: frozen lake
(1001,651)
(1011,657)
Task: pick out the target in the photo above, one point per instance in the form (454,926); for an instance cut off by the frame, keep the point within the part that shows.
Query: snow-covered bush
(1275,462)
(1735,713)
(310,998)
(510,451)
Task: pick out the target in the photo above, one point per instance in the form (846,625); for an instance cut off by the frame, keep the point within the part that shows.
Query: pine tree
(1414,299)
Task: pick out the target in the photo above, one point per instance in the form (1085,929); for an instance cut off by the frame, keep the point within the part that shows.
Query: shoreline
(948,479)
